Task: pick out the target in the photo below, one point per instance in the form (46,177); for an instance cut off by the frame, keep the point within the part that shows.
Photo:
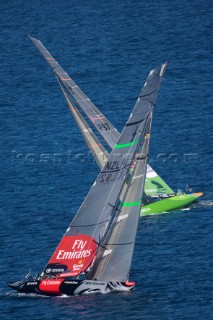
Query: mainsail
(94,220)
(114,256)
(154,185)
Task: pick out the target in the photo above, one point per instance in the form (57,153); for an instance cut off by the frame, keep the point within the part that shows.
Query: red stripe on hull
(51,286)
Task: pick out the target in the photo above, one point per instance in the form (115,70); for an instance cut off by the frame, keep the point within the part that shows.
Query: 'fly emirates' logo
(78,250)
(75,253)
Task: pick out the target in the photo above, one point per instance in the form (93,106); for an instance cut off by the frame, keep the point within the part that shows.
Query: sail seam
(90,225)
(133,123)
(118,244)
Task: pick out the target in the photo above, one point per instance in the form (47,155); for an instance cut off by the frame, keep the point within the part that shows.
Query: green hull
(170,204)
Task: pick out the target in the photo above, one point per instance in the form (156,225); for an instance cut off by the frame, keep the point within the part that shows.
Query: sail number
(111,170)
(103,126)
(108,177)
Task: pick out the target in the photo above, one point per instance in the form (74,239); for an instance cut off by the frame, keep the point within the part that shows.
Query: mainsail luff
(118,244)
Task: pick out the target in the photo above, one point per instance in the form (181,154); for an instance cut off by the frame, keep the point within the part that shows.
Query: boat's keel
(57,287)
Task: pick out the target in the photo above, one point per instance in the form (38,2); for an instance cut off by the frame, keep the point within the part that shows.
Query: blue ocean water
(108,48)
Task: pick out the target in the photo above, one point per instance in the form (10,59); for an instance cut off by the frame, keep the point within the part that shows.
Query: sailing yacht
(95,253)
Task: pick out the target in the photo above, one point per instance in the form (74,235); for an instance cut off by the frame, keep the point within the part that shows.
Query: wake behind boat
(95,253)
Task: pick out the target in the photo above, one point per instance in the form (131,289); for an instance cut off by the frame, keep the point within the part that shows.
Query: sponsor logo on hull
(31,283)
(50,286)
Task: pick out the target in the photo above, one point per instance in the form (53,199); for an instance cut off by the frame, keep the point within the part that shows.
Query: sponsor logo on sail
(75,252)
(81,253)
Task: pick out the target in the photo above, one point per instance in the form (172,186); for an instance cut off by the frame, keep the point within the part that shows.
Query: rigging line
(148,94)
(118,244)
(114,207)
(152,103)
(136,122)
(99,245)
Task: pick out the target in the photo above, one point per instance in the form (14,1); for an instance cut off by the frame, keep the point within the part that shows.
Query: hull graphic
(57,287)
(170,204)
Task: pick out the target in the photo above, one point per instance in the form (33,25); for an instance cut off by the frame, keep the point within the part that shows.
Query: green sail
(154,185)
